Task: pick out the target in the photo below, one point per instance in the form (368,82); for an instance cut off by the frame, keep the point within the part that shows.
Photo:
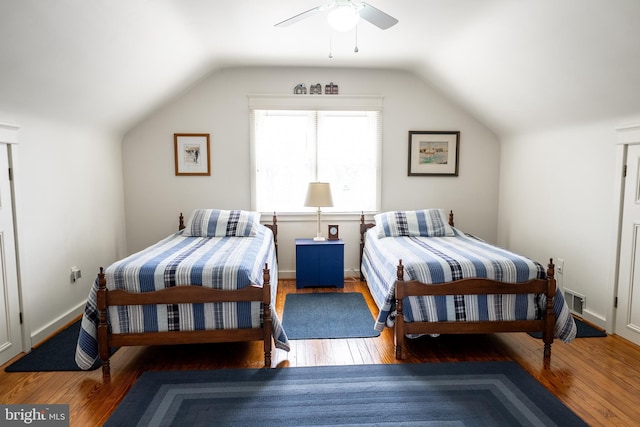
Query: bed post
(549,316)
(451,218)
(363,229)
(267,321)
(274,229)
(181,222)
(103,327)
(399,324)
(361,244)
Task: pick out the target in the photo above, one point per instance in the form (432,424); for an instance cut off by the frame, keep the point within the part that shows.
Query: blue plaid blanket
(217,262)
(444,259)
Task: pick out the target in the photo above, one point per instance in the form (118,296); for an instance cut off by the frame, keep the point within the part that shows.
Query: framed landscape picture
(192,153)
(433,153)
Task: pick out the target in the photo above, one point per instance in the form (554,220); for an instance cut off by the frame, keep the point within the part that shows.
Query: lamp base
(319,239)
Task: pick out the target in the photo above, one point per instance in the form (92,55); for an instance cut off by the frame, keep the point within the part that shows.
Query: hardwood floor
(598,378)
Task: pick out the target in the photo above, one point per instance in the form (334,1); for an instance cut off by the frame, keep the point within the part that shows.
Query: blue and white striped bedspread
(216,262)
(444,259)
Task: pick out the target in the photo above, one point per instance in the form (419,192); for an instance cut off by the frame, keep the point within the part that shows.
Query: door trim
(626,135)
(9,136)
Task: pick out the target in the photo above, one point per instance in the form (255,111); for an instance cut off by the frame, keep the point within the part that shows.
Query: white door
(10,329)
(628,312)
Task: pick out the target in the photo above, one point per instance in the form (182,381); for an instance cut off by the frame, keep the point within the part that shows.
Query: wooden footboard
(181,295)
(475,286)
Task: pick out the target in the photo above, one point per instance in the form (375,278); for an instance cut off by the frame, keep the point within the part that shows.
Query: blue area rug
(327,315)
(433,394)
(55,354)
(584,330)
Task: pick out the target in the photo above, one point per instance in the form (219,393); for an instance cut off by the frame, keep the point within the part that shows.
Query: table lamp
(319,195)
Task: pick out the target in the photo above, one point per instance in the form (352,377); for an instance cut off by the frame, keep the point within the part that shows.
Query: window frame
(315,103)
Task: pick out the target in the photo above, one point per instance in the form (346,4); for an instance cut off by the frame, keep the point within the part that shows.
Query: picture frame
(433,153)
(191,152)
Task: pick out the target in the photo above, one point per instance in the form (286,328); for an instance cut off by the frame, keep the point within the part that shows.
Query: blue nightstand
(319,264)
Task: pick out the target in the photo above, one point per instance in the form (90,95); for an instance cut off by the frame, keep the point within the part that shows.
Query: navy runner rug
(55,354)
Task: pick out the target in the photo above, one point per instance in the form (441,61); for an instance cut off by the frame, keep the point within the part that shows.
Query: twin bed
(215,280)
(427,277)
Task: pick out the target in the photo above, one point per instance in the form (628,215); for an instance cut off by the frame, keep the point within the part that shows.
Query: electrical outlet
(560,265)
(76,273)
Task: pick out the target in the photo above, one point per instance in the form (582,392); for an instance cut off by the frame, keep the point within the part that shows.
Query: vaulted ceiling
(517,65)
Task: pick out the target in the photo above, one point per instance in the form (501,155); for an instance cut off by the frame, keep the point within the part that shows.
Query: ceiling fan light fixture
(343,18)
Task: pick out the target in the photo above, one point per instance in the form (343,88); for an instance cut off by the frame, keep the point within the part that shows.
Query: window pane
(284,146)
(347,158)
(293,148)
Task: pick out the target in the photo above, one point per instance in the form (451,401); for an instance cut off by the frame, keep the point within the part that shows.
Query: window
(294,147)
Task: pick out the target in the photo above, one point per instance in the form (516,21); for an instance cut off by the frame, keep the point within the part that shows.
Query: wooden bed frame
(184,295)
(470,286)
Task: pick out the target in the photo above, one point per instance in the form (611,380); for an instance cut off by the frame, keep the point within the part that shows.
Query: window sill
(312,216)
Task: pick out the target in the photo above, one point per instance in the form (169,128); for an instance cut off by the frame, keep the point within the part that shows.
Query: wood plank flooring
(598,378)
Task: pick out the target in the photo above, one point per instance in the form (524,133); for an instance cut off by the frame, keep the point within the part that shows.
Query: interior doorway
(11,342)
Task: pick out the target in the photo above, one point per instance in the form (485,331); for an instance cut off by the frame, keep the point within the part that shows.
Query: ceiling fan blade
(377,17)
(300,16)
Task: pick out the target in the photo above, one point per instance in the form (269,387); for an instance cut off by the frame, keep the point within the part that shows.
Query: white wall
(556,201)
(218,105)
(70,212)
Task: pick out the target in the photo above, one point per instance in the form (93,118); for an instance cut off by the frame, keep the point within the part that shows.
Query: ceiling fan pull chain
(356,48)
(330,44)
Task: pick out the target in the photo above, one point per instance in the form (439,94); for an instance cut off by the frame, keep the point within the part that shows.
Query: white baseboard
(57,324)
(595,319)
(286,274)
(291,274)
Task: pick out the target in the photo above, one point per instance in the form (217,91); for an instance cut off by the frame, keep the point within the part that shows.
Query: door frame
(9,136)
(626,135)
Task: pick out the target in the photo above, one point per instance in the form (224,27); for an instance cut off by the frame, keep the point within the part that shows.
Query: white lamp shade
(343,18)
(319,195)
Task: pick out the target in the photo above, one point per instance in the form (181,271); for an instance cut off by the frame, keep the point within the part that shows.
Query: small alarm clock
(333,232)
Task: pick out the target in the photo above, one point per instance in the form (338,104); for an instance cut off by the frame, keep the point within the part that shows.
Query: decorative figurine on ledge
(315,89)
(331,89)
(301,89)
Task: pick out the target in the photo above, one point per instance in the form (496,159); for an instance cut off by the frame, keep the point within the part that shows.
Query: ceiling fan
(344,15)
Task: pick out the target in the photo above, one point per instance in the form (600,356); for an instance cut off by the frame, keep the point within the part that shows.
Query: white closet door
(10,330)
(628,311)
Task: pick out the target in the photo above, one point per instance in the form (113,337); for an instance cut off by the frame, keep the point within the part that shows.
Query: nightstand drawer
(319,264)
